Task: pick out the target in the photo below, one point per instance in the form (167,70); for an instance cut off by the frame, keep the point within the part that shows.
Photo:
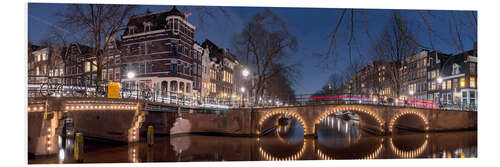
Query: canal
(337,138)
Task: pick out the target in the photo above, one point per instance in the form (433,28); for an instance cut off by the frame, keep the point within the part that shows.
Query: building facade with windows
(458,80)
(414,76)
(221,69)
(160,52)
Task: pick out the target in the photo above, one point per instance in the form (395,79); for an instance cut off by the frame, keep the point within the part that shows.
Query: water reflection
(334,131)
(336,139)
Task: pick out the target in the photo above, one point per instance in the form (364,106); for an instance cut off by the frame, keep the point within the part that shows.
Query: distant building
(111,70)
(417,73)
(221,71)
(32,59)
(459,80)
(45,62)
(78,65)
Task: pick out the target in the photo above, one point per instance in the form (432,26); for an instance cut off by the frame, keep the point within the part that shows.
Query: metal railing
(66,87)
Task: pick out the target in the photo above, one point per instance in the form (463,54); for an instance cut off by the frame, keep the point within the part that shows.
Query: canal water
(337,138)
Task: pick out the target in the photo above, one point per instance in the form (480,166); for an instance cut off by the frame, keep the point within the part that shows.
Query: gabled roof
(158,19)
(218,53)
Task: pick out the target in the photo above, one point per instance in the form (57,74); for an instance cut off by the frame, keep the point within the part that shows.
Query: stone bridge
(126,120)
(374,118)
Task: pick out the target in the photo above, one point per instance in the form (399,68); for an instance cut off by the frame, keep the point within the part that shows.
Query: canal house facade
(160,53)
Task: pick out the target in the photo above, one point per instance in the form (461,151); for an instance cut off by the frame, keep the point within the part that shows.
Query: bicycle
(49,88)
(82,89)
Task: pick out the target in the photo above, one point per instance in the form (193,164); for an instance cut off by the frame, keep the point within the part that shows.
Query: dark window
(174,69)
(142,68)
(148,67)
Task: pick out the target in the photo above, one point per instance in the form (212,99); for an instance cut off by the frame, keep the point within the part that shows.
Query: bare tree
(263,43)
(98,24)
(393,47)
(355,23)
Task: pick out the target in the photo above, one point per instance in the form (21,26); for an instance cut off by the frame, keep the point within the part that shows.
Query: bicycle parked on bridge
(51,88)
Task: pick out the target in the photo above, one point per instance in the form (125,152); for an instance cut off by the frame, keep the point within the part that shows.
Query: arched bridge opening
(408,120)
(363,118)
(281,121)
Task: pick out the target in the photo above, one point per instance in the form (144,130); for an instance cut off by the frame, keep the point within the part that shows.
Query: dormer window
(456,69)
(131,30)
(147,26)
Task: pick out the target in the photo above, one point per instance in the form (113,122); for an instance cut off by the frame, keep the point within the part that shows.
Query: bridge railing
(77,87)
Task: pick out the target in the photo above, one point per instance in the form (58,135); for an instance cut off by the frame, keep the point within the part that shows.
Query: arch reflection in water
(270,157)
(340,154)
(288,135)
(414,153)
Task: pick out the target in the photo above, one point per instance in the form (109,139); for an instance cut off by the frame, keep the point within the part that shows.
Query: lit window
(448,83)
(37,71)
(443,85)
(472,82)
(462,82)
(87,66)
(94,67)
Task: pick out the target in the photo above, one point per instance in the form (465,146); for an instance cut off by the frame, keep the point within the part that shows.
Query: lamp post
(131,75)
(411,93)
(242,93)
(439,81)
(245,74)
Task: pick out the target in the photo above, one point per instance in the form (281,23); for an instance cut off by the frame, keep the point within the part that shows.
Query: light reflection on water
(336,139)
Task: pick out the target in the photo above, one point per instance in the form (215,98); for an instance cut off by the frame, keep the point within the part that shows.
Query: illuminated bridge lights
(411,112)
(293,157)
(292,113)
(35,108)
(372,155)
(409,154)
(73,107)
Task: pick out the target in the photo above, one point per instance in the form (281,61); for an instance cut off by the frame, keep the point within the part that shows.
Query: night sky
(310,25)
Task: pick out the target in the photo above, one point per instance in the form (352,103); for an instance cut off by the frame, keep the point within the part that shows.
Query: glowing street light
(130,75)
(242,89)
(245,72)
(440,79)
(411,92)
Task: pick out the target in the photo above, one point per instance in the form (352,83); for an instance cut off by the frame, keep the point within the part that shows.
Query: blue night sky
(310,25)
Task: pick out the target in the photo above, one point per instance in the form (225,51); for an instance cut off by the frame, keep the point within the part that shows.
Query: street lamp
(130,75)
(411,93)
(242,93)
(439,80)
(245,72)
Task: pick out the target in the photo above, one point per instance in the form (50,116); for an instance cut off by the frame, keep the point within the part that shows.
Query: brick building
(160,52)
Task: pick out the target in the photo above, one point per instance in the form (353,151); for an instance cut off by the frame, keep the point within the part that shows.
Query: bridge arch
(363,112)
(406,113)
(281,111)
